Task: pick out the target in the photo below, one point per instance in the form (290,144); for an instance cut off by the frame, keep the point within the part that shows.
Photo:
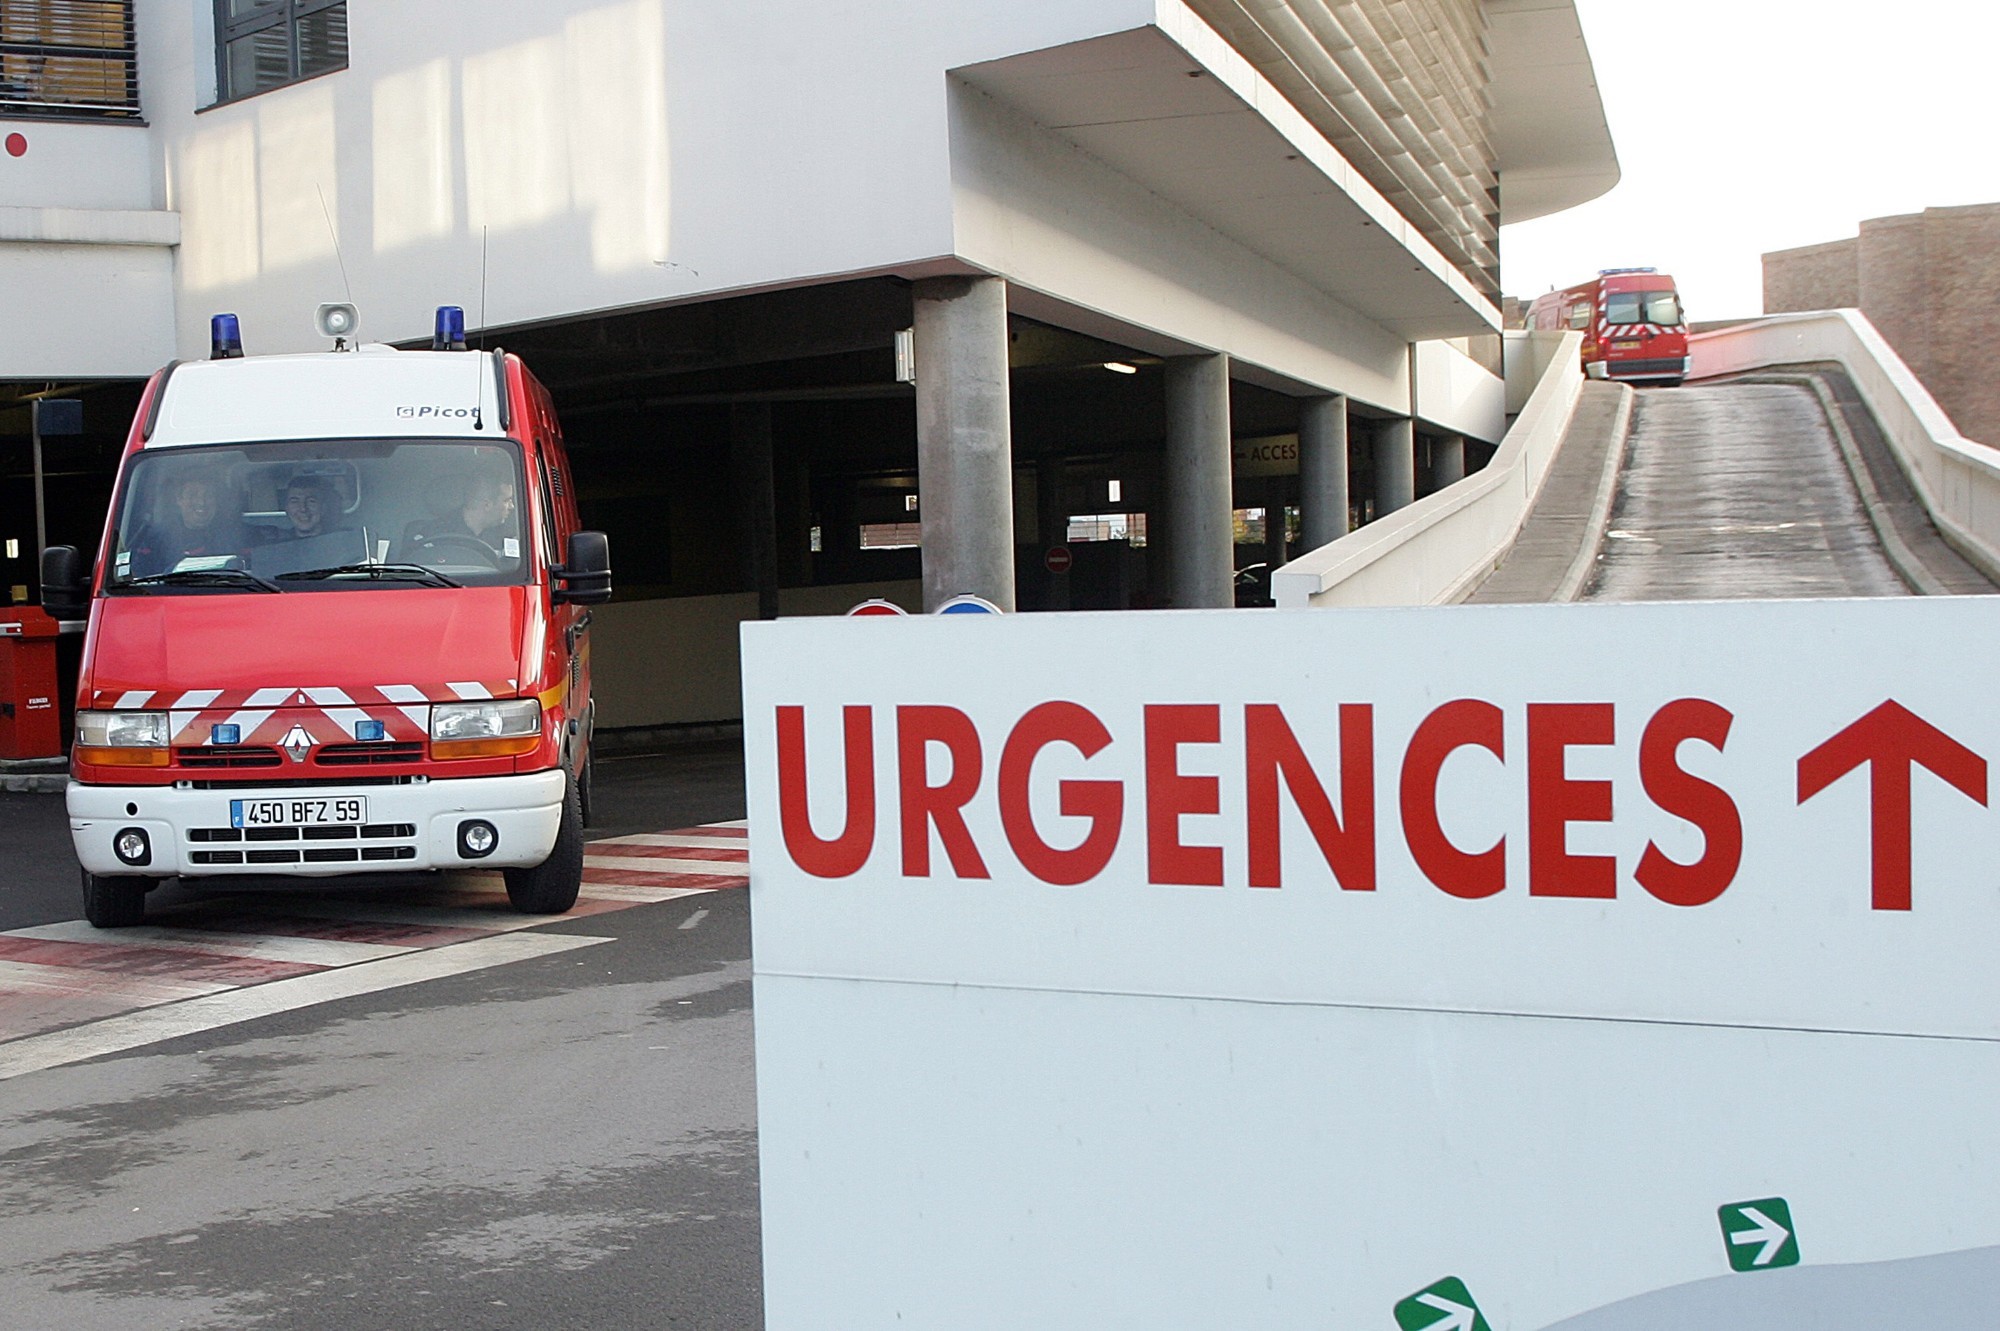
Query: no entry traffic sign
(1057,559)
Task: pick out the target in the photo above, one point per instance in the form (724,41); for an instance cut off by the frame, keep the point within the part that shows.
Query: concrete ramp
(1774,486)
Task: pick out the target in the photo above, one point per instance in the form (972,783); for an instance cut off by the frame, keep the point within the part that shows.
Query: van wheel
(583,784)
(113,903)
(550,888)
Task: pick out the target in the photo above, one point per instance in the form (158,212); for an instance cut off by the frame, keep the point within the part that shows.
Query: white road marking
(433,917)
(134,1030)
(262,947)
(694,919)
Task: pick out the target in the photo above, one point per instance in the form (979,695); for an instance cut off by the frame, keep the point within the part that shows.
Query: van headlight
(122,739)
(485,729)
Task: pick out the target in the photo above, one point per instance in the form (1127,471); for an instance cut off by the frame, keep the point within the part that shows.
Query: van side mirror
(585,577)
(65,582)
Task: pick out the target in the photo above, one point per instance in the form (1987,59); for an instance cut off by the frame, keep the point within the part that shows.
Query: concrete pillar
(1203,550)
(1448,460)
(1322,471)
(1051,526)
(756,500)
(1395,466)
(965,464)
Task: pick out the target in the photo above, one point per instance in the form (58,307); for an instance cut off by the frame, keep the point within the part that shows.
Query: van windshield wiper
(204,577)
(430,577)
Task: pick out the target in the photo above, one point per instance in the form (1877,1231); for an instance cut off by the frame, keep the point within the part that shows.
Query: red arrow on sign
(1893,738)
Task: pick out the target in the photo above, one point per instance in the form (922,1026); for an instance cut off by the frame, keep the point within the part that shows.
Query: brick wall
(1962,260)
(1930,283)
(1813,277)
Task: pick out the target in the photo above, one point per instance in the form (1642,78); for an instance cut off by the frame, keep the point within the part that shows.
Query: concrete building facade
(1929,282)
(1111,239)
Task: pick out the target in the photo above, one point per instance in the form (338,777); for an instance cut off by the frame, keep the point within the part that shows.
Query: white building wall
(86,258)
(602,155)
(587,157)
(1456,393)
(1048,216)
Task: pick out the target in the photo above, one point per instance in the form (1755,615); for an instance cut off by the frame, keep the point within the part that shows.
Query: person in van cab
(486,516)
(310,507)
(194,525)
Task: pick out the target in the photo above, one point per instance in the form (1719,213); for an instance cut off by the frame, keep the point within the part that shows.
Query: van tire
(113,903)
(583,784)
(550,888)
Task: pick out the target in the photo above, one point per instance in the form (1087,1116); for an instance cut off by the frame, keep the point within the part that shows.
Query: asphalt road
(1733,491)
(568,1141)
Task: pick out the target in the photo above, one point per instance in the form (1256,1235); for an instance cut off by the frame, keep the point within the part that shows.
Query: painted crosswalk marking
(69,992)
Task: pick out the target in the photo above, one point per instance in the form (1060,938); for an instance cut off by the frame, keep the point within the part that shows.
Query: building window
(1127,527)
(262,44)
(68,59)
(891,535)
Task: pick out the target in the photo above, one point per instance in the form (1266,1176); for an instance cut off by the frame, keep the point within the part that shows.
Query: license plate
(298,813)
(1626,346)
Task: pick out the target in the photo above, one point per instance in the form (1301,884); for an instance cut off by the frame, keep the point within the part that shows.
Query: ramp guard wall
(1957,479)
(1438,548)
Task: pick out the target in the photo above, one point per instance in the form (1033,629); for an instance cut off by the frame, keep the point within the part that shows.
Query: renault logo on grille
(297,743)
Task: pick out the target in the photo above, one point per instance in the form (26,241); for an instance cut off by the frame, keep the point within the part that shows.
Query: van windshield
(1642,307)
(320,515)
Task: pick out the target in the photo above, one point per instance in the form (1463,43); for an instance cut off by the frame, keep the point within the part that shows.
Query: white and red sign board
(1185,970)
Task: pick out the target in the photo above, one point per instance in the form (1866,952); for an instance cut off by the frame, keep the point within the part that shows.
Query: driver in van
(486,515)
(194,526)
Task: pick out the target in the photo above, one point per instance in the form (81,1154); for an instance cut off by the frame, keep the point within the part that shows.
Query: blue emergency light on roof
(1617,272)
(449,332)
(225,338)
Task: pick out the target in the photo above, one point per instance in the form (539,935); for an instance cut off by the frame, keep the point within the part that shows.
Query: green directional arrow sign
(1758,1236)
(1445,1306)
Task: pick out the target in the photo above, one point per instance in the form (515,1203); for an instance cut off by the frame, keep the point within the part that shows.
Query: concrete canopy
(1190,119)
(1549,132)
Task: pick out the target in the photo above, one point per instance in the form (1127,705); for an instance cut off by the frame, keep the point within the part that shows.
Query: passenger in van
(485,517)
(311,508)
(195,525)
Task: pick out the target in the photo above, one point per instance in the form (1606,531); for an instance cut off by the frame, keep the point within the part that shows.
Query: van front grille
(364,755)
(228,755)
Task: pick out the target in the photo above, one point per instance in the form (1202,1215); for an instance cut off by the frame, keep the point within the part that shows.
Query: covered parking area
(759,455)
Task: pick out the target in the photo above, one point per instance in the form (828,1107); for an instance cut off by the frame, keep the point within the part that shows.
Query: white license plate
(299,812)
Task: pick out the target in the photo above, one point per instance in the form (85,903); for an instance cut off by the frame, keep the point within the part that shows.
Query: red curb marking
(632,851)
(641,878)
(139,960)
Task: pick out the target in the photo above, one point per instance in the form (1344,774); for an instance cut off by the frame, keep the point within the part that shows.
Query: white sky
(1751,125)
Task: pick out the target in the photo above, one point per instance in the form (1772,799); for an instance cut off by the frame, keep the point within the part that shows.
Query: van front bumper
(193,833)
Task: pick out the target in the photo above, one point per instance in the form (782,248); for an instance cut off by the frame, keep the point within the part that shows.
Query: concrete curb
(1585,563)
(34,783)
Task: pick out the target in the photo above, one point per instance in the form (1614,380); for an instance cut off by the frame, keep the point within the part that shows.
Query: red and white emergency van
(339,625)
(1632,324)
